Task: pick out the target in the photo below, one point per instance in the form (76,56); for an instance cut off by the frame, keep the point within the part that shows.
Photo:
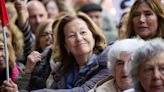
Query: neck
(117,87)
(82,59)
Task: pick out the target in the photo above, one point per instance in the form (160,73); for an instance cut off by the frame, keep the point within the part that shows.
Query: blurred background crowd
(83,46)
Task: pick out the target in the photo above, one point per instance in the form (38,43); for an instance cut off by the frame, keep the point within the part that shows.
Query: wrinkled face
(79,39)
(151,74)
(96,17)
(121,77)
(52,9)
(2,56)
(37,14)
(46,37)
(145,21)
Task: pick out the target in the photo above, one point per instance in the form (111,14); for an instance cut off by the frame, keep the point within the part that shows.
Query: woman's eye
(1,49)
(70,36)
(148,71)
(119,63)
(83,32)
(136,14)
(162,70)
(148,13)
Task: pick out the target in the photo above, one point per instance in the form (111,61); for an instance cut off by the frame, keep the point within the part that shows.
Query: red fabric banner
(3,13)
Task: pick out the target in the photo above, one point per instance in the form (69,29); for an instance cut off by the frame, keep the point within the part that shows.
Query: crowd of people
(55,47)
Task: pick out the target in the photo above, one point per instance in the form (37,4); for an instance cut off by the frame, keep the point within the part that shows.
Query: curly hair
(151,49)
(17,39)
(11,53)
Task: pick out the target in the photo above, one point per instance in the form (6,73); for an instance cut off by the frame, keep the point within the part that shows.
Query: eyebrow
(117,61)
(148,11)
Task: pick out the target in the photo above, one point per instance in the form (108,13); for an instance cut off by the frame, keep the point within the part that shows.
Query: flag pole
(6,52)
(4,29)
(4,20)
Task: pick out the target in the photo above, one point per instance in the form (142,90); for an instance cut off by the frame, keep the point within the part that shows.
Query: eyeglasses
(47,34)
(151,71)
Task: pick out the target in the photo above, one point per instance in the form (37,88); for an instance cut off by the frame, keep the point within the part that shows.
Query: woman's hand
(32,59)
(9,86)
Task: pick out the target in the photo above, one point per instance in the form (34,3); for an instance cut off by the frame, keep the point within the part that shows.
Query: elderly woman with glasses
(147,67)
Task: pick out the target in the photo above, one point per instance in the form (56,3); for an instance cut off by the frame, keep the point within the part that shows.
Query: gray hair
(122,46)
(150,49)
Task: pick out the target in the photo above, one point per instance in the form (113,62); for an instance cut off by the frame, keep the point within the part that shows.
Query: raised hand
(32,59)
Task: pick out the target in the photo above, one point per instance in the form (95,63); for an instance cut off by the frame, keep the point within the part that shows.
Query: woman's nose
(142,18)
(78,36)
(156,74)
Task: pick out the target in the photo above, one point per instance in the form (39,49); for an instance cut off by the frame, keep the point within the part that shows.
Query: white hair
(151,49)
(122,46)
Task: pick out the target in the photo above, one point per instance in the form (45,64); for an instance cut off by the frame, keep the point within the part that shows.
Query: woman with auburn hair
(13,69)
(146,20)
(75,60)
(97,34)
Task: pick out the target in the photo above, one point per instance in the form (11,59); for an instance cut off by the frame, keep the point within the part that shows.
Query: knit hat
(90,7)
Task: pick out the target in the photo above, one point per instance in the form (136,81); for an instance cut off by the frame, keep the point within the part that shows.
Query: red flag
(3,13)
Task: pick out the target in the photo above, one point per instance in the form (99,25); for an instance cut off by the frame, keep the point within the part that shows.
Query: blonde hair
(17,39)
(11,53)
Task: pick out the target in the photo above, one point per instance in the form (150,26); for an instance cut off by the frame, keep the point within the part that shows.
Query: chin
(126,87)
(146,36)
(2,68)
(83,52)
